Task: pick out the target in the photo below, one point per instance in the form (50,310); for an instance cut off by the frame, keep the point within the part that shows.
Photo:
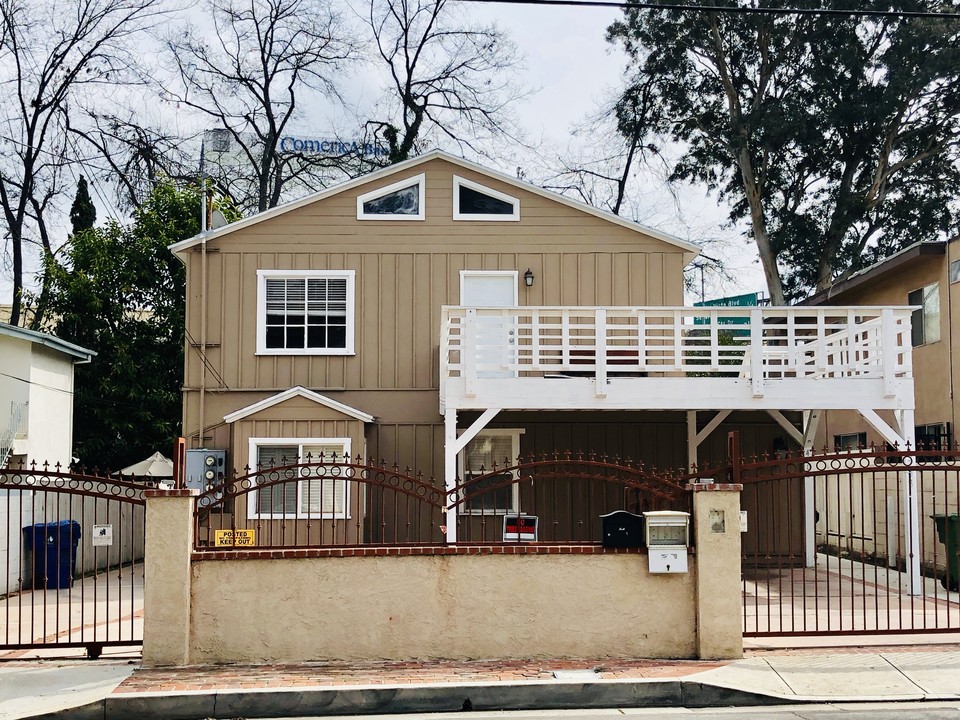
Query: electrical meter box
(205,468)
(668,535)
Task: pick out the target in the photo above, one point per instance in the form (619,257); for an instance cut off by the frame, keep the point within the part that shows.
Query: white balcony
(675,358)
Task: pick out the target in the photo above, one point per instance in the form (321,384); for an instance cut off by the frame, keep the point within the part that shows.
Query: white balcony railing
(603,343)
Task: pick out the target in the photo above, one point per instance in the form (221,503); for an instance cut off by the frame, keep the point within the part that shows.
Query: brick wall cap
(171,492)
(716,487)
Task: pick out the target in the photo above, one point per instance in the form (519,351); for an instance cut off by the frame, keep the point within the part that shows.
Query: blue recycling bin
(54,549)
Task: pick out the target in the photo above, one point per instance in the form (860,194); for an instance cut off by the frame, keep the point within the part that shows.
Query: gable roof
(690,249)
(297,391)
(51,341)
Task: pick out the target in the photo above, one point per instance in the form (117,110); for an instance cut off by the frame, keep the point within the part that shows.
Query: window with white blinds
(323,493)
(490,449)
(305,312)
(319,491)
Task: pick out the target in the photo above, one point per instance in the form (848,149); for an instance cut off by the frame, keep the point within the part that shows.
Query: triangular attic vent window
(472,201)
(400,201)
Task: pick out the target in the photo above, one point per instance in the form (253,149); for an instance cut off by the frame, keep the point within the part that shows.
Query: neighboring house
(925,276)
(444,316)
(36,425)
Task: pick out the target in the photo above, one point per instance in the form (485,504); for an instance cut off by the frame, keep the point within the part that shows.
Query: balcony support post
(756,351)
(811,421)
(450,472)
(903,437)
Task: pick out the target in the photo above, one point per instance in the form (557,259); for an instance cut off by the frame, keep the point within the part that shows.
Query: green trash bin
(948,532)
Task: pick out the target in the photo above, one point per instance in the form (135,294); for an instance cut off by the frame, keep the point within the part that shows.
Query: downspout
(953,401)
(203,309)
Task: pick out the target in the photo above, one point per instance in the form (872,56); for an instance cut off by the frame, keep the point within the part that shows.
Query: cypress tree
(83,213)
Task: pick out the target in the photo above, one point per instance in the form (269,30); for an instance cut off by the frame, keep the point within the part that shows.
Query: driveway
(102,608)
(842,596)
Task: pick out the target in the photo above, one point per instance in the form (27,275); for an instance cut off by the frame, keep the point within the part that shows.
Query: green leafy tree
(834,137)
(120,291)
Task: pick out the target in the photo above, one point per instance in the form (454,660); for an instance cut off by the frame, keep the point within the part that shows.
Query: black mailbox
(622,529)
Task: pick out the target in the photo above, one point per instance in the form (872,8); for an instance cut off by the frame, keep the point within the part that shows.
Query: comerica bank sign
(310,146)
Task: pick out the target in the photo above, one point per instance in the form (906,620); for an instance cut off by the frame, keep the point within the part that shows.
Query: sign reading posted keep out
(235,538)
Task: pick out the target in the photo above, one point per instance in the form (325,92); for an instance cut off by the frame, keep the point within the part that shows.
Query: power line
(730,9)
(38,384)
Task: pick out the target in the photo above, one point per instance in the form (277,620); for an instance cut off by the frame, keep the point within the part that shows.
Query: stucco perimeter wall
(436,606)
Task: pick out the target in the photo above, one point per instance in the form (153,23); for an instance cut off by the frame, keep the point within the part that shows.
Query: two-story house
(926,277)
(446,317)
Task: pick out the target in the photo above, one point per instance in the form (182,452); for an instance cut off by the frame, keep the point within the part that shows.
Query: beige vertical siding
(405,272)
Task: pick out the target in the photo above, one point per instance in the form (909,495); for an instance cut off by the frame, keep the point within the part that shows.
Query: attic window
(472,201)
(402,200)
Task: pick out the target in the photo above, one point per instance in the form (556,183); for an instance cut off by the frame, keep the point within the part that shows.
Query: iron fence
(862,541)
(329,501)
(71,559)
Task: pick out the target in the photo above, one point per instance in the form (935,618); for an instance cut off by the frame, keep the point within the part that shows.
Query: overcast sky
(571,67)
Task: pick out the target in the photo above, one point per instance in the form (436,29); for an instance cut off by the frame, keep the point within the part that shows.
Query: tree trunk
(759,227)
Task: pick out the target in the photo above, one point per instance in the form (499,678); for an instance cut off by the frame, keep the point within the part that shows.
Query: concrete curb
(279,703)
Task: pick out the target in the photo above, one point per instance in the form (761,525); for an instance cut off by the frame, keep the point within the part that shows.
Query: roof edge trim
(691,249)
(297,391)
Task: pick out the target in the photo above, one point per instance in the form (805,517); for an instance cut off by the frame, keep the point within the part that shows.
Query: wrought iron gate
(71,560)
(834,546)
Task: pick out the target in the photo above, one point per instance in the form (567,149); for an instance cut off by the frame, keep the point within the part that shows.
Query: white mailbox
(668,535)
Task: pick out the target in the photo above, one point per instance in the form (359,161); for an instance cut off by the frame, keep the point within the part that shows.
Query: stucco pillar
(166,592)
(716,527)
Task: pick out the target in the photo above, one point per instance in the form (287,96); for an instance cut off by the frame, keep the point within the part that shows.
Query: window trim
(264,275)
(515,434)
(515,274)
(920,313)
(457,215)
(418,180)
(254,443)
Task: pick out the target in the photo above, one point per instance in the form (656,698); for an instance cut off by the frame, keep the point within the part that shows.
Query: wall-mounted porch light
(528,278)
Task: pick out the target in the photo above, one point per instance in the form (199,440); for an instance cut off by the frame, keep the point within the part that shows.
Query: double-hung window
(298,486)
(305,312)
(496,493)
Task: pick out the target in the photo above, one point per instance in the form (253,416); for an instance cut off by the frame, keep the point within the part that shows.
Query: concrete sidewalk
(83,690)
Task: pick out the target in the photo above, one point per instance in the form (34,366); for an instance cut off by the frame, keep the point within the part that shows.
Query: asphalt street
(845,711)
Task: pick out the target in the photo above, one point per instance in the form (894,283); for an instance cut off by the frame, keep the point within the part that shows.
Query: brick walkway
(226,677)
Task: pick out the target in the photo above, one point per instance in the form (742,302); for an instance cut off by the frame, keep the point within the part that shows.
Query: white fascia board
(298,391)
(690,249)
(296,204)
(81,354)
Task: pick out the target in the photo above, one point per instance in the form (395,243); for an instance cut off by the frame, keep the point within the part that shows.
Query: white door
(495,331)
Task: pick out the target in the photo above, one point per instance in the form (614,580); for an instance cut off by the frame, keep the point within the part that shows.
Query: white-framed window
(500,447)
(403,200)
(473,201)
(955,271)
(305,312)
(318,494)
(925,320)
